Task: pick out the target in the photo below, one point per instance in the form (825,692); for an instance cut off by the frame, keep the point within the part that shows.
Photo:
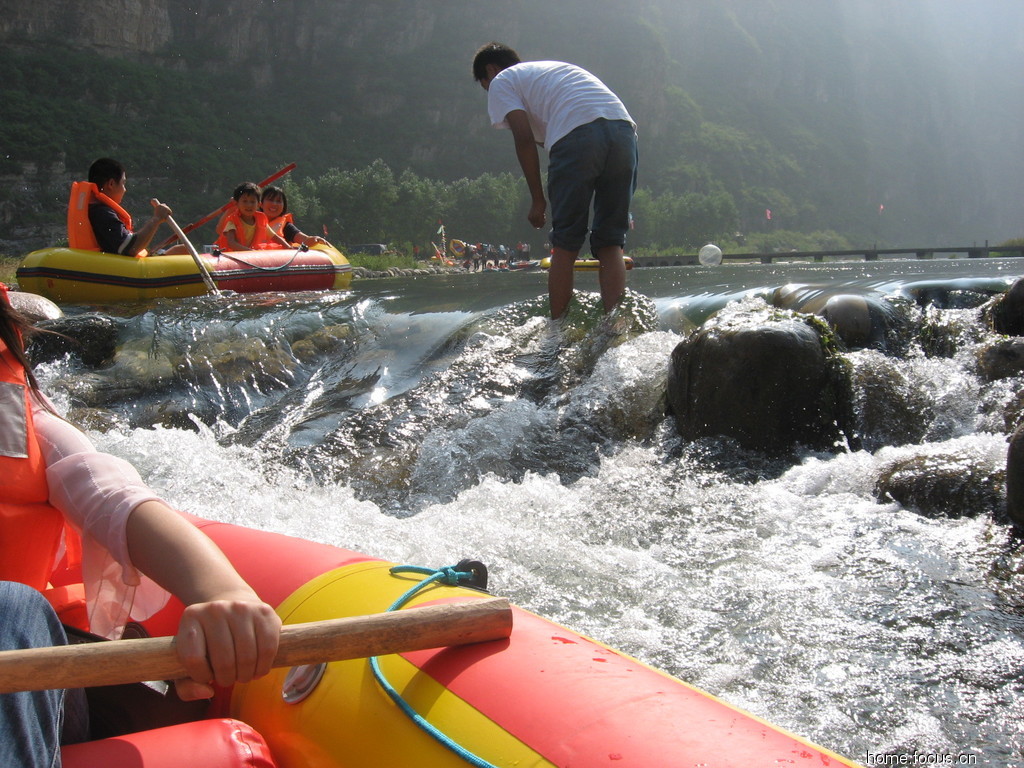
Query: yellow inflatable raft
(77,276)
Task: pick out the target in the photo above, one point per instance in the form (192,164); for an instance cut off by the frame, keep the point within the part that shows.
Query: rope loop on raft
(465,573)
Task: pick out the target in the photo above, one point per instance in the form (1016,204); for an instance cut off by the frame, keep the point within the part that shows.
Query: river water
(430,419)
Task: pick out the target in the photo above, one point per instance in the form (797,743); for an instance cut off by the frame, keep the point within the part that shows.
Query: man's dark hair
(246,187)
(105,169)
(493,53)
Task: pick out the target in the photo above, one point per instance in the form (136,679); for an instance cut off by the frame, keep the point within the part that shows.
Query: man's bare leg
(560,280)
(612,276)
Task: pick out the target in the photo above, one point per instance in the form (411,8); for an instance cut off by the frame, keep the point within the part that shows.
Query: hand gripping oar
(198,223)
(203,271)
(356,637)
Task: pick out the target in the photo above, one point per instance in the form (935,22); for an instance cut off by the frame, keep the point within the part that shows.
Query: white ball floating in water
(710,255)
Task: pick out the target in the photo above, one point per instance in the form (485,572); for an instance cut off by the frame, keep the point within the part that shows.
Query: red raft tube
(545,697)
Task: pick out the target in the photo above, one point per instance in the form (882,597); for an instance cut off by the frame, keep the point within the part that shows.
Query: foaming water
(433,420)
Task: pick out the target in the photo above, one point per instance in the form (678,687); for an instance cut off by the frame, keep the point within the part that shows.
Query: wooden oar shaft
(203,271)
(379,634)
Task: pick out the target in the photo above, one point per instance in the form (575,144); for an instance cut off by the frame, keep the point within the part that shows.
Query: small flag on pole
(768,213)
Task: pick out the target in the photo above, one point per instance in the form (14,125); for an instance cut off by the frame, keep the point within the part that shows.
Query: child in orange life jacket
(274,203)
(113,233)
(245,227)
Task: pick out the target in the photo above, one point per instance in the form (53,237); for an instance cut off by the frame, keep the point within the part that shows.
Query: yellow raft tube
(546,697)
(77,276)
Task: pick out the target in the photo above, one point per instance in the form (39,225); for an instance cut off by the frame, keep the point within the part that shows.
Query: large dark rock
(1015,478)
(761,376)
(1007,313)
(946,485)
(1002,359)
(92,338)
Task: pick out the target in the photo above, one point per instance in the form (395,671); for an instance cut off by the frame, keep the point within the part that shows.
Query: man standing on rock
(592,158)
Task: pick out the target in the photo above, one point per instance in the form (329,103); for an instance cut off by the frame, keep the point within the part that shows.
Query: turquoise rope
(447,575)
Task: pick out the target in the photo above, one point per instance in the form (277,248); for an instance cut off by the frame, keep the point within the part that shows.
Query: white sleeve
(502,99)
(95,491)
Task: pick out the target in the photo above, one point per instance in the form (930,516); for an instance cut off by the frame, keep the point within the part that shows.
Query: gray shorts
(594,163)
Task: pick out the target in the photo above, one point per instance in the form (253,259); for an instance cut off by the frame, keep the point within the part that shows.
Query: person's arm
(234,244)
(277,238)
(529,161)
(295,235)
(227,634)
(104,498)
(144,236)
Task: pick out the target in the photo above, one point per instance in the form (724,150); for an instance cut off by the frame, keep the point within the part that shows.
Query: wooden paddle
(203,271)
(199,222)
(154,658)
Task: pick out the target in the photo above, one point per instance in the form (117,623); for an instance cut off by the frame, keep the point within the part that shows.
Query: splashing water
(427,424)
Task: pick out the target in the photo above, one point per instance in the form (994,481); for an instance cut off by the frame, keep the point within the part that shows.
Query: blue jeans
(596,163)
(30,722)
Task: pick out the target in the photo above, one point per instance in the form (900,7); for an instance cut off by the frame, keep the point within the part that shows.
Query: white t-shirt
(557,97)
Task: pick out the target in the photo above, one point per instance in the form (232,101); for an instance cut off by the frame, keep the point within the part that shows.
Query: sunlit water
(431,419)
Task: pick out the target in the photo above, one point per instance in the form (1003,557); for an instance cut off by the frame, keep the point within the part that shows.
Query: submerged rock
(92,338)
(888,407)
(859,321)
(1001,359)
(764,377)
(944,485)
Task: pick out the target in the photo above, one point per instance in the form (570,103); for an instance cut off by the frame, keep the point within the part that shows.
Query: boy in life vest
(111,224)
(245,227)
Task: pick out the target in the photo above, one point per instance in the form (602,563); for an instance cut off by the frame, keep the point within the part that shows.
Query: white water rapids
(791,592)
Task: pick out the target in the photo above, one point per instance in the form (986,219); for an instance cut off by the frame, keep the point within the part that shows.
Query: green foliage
(381,262)
(799,110)
(781,241)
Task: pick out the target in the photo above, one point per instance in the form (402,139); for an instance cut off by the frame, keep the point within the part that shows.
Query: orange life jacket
(30,527)
(259,238)
(80,232)
(278,224)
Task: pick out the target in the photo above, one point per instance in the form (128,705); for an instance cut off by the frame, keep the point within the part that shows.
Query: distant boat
(585,264)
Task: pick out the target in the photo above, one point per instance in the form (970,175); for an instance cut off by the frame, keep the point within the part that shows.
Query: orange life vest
(278,224)
(30,527)
(80,232)
(259,238)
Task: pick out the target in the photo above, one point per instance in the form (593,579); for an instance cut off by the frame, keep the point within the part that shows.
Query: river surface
(431,419)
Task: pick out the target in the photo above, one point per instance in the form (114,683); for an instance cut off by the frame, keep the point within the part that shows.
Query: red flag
(768,213)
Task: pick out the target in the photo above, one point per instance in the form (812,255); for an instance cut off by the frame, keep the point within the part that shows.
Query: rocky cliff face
(114,27)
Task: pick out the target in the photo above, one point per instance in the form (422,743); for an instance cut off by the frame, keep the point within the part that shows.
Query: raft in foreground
(77,276)
(546,697)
